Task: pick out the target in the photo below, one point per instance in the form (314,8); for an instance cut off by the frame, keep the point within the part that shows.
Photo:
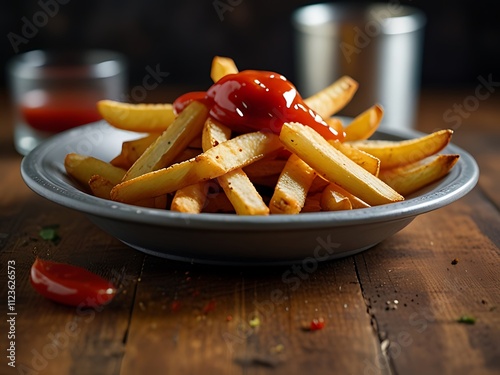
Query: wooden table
(390,310)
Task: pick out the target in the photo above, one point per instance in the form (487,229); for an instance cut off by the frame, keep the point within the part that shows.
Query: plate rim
(37,180)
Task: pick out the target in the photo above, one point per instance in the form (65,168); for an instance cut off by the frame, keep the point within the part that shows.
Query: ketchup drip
(257,100)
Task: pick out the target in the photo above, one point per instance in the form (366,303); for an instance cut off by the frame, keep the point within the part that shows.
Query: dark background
(462,37)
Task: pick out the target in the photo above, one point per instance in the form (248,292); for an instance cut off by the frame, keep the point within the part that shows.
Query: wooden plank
(415,269)
(192,319)
(51,338)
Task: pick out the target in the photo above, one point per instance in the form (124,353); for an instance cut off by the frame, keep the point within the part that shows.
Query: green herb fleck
(467,319)
(49,233)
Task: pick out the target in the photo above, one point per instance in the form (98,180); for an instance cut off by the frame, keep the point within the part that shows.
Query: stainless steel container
(378,45)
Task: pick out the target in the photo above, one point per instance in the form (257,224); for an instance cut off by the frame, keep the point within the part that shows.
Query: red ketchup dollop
(254,100)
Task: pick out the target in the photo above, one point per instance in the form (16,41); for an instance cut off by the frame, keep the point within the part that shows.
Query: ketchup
(58,111)
(254,100)
(70,285)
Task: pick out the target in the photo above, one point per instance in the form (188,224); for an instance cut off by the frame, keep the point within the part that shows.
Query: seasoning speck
(255,322)
(454,261)
(278,348)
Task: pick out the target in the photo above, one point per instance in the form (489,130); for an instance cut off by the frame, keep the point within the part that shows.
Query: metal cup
(378,45)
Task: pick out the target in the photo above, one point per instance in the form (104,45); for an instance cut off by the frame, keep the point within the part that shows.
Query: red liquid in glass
(58,111)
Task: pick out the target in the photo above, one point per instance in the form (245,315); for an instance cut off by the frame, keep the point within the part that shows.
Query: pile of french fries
(191,163)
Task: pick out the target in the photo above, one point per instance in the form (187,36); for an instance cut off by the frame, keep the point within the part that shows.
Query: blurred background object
(52,91)
(379,45)
(179,38)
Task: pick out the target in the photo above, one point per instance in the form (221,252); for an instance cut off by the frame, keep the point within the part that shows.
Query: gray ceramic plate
(227,238)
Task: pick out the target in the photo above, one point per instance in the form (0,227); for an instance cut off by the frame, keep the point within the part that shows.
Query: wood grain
(248,320)
(415,269)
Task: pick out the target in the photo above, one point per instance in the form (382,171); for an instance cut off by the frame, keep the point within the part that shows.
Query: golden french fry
(312,203)
(335,123)
(190,199)
(160,201)
(397,153)
(214,133)
(364,125)
(361,158)
(132,150)
(142,118)
(355,201)
(223,158)
(172,141)
(82,168)
(333,200)
(242,193)
(187,154)
(331,164)
(265,181)
(411,177)
(100,186)
(222,66)
(264,168)
(318,185)
(238,188)
(333,98)
(218,203)
(292,187)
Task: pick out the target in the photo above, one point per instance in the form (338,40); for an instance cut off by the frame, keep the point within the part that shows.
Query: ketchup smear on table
(70,285)
(55,112)
(254,100)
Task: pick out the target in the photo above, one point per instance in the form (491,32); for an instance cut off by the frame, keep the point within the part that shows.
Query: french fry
(397,153)
(187,154)
(218,203)
(361,158)
(82,168)
(364,125)
(318,185)
(237,186)
(242,193)
(312,203)
(265,181)
(132,150)
(190,199)
(333,200)
(100,186)
(411,177)
(331,164)
(334,122)
(355,201)
(213,134)
(291,189)
(333,98)
(222,66)
(264,168)
(223,158)
(160,201)
(172,141)
(142,118)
